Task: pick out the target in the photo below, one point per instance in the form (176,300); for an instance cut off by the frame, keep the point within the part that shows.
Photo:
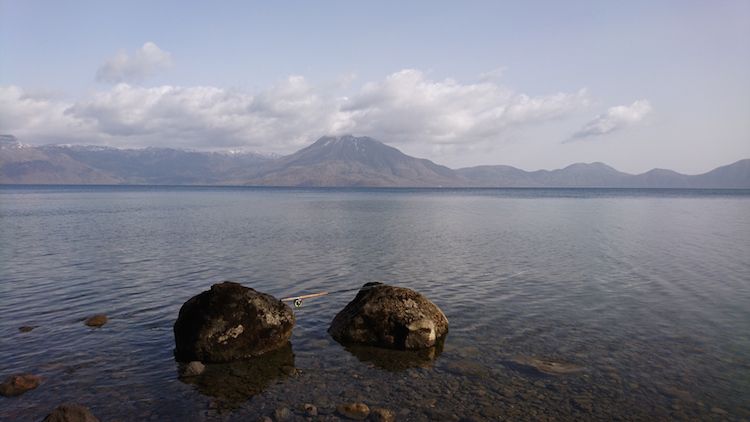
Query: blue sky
(532,84)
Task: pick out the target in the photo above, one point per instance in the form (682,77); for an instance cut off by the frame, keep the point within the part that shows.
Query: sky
(533,84)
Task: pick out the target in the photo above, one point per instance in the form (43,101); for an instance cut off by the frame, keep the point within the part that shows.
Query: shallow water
(647,290)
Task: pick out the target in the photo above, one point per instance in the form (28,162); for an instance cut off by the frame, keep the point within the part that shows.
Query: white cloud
(614,119)
(38,119)
(126,68)
(405,107)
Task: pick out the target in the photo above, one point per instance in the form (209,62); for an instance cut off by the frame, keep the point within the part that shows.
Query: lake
(648,291)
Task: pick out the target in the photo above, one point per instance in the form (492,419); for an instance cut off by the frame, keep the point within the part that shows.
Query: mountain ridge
(342,161)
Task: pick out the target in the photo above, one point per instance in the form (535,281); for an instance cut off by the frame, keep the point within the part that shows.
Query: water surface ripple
(648,290)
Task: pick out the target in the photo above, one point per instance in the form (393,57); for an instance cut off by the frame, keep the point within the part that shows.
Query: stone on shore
(231,322)
(356,411)
(392,317)
(70,413)
(15,385)
(96,320)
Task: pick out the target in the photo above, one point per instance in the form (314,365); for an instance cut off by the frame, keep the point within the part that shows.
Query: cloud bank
(404,107)
(146,61)
(614,119)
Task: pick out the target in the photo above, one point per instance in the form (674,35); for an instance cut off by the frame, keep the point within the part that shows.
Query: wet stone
(26,328)
(193,369)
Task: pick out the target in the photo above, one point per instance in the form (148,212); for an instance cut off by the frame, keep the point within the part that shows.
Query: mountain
(588,175)
(164,166)
(75,164)
(330,161)
(592,175)
(25,164)
(353,161)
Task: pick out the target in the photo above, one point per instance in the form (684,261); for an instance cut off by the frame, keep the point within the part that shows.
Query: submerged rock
(231,322)
(96,320)
(71,413)
(391,317)
(15,385)
(545,366)
(26,328)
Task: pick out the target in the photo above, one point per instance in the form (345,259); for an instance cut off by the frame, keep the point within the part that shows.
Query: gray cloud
(128,68)
(614,119)
(405,107)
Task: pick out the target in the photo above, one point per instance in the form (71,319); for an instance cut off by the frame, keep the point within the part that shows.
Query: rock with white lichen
(231,322)
(392,317)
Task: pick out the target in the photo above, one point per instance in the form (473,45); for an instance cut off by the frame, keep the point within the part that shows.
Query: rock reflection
(396,360)
(236,382)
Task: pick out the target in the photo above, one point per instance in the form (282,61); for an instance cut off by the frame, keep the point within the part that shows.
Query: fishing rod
(297,300)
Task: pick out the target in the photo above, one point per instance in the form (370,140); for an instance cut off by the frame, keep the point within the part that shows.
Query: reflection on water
(397,360)
(236,382)
(646,290)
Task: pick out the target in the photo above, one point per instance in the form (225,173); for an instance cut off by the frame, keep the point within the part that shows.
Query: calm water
(649,291)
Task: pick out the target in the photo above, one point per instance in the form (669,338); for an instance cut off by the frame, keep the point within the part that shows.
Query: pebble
(379,414)
(357,411)
(583,403)
(310,409)
(719,411)
(96,320)
(289,370)
(282,414)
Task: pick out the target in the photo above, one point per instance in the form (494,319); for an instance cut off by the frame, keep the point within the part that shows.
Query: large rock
(70,413)
(392,317)
(231,322)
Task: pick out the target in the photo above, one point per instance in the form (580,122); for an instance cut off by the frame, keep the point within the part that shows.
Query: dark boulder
(70,413)
(231,322)
(391,317)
